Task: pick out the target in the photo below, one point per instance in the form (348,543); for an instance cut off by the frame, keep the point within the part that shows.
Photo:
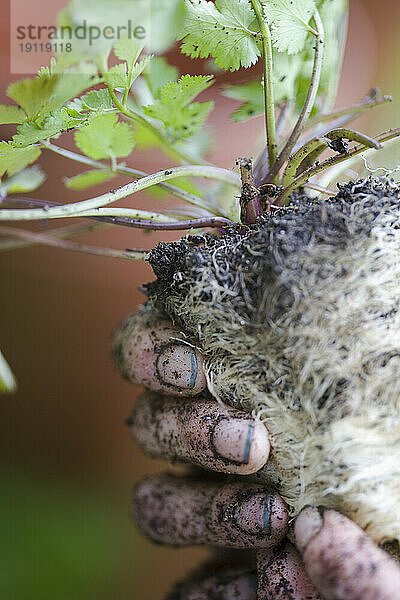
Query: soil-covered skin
(298,317)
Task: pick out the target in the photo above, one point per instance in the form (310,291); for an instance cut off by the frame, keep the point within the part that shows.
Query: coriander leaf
(185,90)
(159,74)
(128,49)
(14,159)
(27,180)
(104,137)
(51,126)
(94,100)
(8,385)
(121,76)
(117,76)
(182,117)
(227,31)
(289,23)
(33,95)
(87,179)
(138,69)
(10,113)
(51,89)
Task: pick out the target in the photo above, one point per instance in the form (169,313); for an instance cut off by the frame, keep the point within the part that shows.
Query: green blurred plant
(59,542)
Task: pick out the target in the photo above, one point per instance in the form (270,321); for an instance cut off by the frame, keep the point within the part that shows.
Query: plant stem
(268,86)
(353,136)
(357,109)
(81,208)
(336,171)
(250,204)
(284,197)
(320,188)
(309,151)
(213,222)
(126,218)
(60,232)
(308,104)
(129,172)
(48,240)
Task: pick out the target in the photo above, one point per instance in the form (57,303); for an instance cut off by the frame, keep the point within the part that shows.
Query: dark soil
(247,259)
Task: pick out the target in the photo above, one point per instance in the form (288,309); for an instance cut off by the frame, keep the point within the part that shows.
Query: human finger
(201,431)
(151,351)
(181,512)
(281,575)
(342,561)
(220,584)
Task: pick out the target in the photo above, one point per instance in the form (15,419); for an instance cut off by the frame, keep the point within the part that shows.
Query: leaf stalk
(269,104)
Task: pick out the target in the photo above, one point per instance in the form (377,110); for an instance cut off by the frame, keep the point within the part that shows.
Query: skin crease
(178,512)
(200,431)
(334,553)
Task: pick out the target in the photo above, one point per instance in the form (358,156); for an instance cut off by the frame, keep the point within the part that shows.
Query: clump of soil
(299,319)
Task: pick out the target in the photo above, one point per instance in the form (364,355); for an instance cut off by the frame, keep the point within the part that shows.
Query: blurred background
(67,461)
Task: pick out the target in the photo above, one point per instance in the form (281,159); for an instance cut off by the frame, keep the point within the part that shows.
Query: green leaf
(104,137)
(121,76)
(93,101)
(51,89)
(51,126)
(289,23)
(159,74)
(227,31)
(138,69)
(27,180)
(8,385)
(128,49)
(32,94)
(185,90)
(117,76)
(14,159)
(87,179)
(10,113)
(175,108)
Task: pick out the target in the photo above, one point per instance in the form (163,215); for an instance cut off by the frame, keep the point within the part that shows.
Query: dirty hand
(178,420)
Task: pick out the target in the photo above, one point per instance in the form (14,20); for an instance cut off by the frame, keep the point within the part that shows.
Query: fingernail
(178,366)
(253,514)
(308,524)
(232,440)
